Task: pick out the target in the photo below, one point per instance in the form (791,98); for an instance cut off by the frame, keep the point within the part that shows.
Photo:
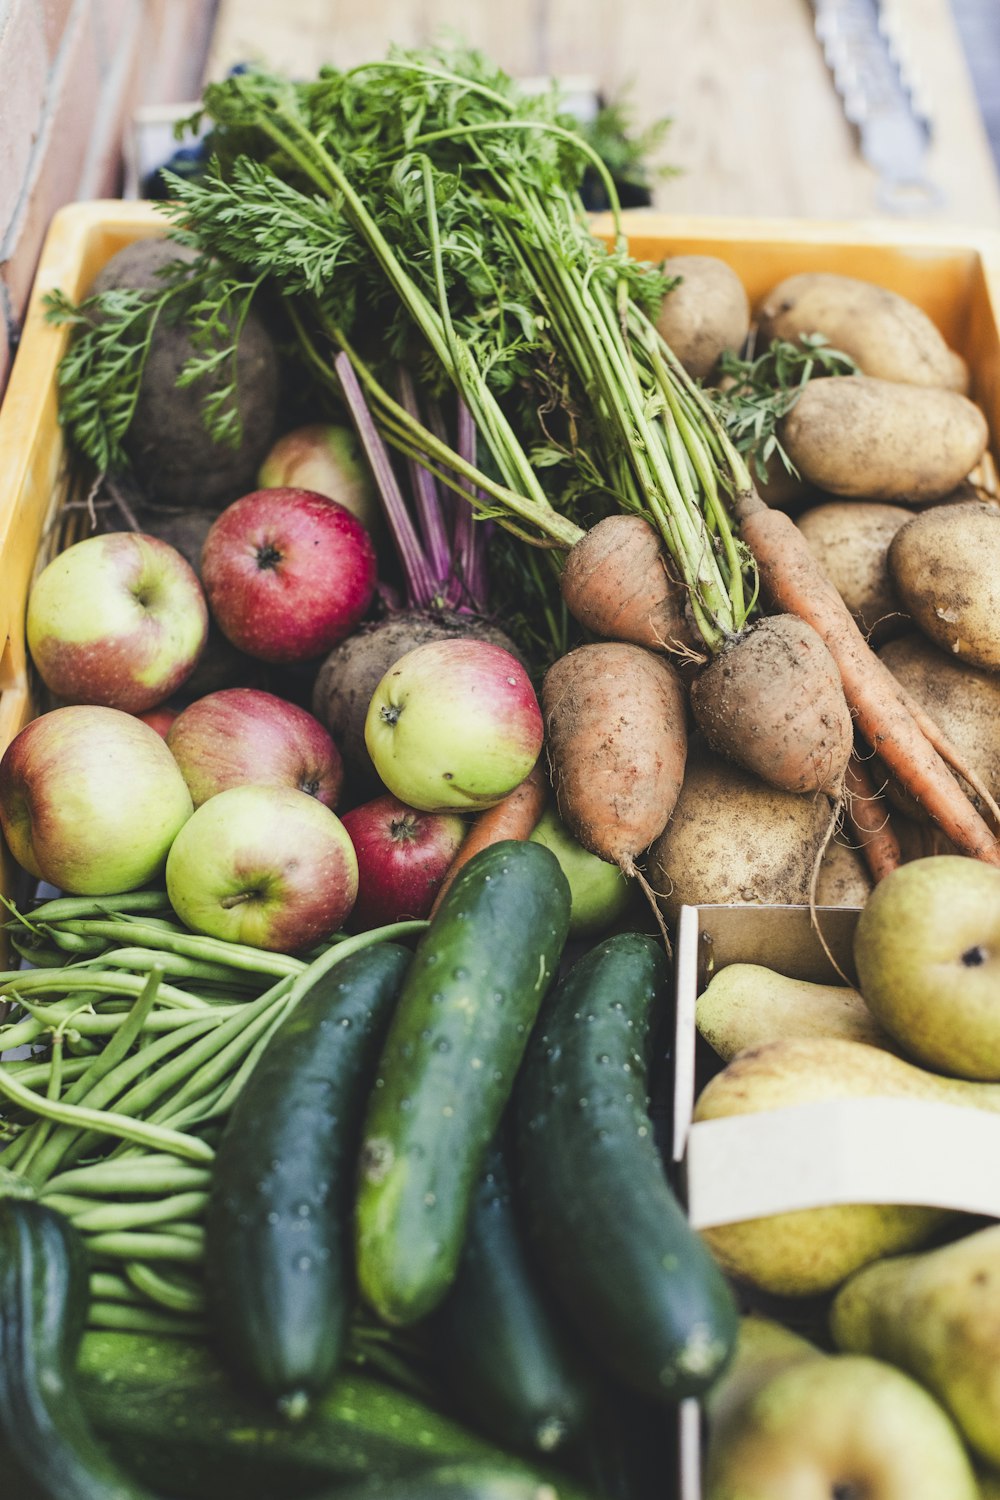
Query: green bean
(68,1205)
(105,1286)
(106,1217)
(105,1121)
(67,908)
(171,963)
(20,1033)
(91,982)
(32,1073)
(145,1245)
(187,1296)
(234,955)
(150,1173)
(68,941)
(138,1319)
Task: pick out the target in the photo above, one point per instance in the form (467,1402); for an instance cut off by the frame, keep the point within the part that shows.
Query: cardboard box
(842,1151)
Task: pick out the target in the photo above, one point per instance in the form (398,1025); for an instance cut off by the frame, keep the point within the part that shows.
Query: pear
(937,1316)
(745,1005)
(811,1251)
(927,953)
(789,1422)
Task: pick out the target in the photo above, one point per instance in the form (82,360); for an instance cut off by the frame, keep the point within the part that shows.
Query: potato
(945,564)
(174,459)
(708,311)
(851,540)
(963,701)
(731,838)
(844,879)
(886,335)
(881,440)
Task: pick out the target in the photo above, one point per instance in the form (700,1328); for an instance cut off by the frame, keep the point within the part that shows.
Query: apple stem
(240,899)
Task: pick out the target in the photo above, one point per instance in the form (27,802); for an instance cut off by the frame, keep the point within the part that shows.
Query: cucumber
(506,1362)
(454,1046)
(610,1235)
(48,1450)
(278,1248)
(454,1482)
(169,1410)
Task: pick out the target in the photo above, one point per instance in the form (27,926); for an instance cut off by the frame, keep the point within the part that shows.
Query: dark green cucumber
(170,1410)
(48,1450)
(600,1214)
(278,1243)
(456,1040)
(504,1358)
(455,1482)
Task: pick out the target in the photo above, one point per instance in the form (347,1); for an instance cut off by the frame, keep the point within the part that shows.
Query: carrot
(616,583)
(617,740)
(792,580)
(772,701)
(868,815)
(514,818)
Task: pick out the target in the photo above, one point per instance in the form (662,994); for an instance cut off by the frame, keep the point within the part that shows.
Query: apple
(600,892)
(264,865)
(244,736)
(288,573)
(403,856)
(91,799)
(328,459)
(159,719)
(118,620)
(927,954)
(454,724)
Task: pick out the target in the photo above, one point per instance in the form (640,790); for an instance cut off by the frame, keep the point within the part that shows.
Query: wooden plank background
(757,126)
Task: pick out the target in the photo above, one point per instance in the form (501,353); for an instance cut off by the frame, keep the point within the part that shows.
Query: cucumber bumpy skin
(279,1258)
(456,1041)
(608,1231)
(48,1450)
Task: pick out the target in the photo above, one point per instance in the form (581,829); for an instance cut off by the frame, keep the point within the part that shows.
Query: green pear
(745,1005)
(763,1348)
(927,952)
(937,1316)
(600,892)
(798,1424)
(812,1250)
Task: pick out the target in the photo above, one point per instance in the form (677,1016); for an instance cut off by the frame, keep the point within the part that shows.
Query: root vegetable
(850,539)
(513,818)
(617,583)
(792,580)
(617,741)
(887,335)
(945,564)
(732,839)
(881,439)
(772,701)
(707,312)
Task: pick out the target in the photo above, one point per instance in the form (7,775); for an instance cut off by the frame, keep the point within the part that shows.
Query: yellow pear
(812,1250)
(937,1316)
(788,1422)
(745,1005)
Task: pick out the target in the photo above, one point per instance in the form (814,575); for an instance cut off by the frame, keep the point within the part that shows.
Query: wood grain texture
(757,127)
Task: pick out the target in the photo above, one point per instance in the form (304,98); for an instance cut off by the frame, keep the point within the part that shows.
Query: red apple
(454,724)
(246,737)
(263,865)
(328,459)
(288,573)
(90,799)
(403,856)
(117,619)
(159,719)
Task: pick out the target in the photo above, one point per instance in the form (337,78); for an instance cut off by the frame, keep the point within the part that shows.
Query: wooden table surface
(757,129)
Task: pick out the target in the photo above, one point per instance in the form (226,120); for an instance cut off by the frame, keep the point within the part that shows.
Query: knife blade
(894,132)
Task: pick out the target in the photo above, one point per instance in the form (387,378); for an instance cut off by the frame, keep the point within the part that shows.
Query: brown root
(616,583)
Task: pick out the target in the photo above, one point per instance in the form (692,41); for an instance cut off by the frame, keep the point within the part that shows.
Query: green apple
(811,1426)
(599,890)
(927,954)
(118,619)
(91,799)
(454,724)
(269,866)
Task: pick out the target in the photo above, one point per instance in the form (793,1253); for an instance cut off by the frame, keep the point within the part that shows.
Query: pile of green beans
(145,1033)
